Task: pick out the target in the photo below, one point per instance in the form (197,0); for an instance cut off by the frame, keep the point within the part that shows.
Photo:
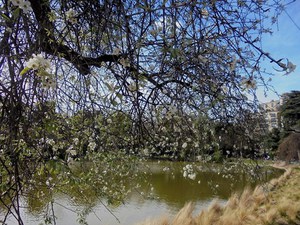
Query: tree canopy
(135,54)
(290,111)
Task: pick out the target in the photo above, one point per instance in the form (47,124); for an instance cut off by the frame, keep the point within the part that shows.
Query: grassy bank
(276,203)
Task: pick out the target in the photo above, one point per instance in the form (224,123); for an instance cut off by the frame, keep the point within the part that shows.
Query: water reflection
(161,189)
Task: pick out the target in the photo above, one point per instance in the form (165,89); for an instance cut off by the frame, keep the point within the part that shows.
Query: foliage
(290,110)
(271,142)
(289,149)
(80,78)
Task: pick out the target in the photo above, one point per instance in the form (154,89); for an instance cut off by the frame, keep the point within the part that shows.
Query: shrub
(289,149)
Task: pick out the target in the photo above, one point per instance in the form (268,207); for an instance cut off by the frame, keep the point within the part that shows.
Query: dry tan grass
(277,205)
(185,217)
(211,215)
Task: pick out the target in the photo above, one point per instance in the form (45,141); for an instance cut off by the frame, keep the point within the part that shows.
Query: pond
(163,189)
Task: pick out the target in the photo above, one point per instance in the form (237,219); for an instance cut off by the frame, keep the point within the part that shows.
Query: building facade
(271,114)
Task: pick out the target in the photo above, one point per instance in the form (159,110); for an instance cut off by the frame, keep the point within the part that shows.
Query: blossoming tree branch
(212,49)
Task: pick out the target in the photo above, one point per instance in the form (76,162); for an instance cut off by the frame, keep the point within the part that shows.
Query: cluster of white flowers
(188,172)
(71,151)
(38,62)
(71,16)
(290,67)
(22,4)
(48,82)
(41,64)
(76,141)
(146,152)
(92,145)
(50,141)
(48,181)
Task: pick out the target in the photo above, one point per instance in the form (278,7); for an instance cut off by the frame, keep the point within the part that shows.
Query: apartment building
(271,113)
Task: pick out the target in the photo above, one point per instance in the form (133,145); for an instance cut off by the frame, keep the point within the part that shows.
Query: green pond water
(164,187)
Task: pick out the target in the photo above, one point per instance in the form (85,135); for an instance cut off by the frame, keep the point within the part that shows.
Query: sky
(283,43)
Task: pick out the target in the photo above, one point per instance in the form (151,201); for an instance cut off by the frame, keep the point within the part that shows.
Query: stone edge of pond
(276,202)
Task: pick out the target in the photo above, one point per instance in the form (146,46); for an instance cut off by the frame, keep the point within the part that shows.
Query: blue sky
(284,43)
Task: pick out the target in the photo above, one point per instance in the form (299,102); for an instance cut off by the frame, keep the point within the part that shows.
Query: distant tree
(271,142)
(290,111)
(289,149)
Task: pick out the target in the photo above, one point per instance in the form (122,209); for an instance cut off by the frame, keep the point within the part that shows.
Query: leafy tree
(289,148)
(290,111)
(271,142)
(241,139)
(59,58)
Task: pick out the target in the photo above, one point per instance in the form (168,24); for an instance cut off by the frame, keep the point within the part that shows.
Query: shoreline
(277,203)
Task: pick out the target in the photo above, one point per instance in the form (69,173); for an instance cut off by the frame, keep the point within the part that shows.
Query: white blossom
(188,172)
(16,2)
(76,141)
(71,151)
(49,82)
(290,67)
(92,145)
(71,16)
(146,151)
(25,6)
(37,62)
(22,4)
(50,141)
(192,176)
(185,174)
(48,181)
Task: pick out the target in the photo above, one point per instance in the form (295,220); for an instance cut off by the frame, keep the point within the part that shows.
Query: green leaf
(25,70)
(113,102)
(5,17)
(16,13)
(108,86)
(119,96)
